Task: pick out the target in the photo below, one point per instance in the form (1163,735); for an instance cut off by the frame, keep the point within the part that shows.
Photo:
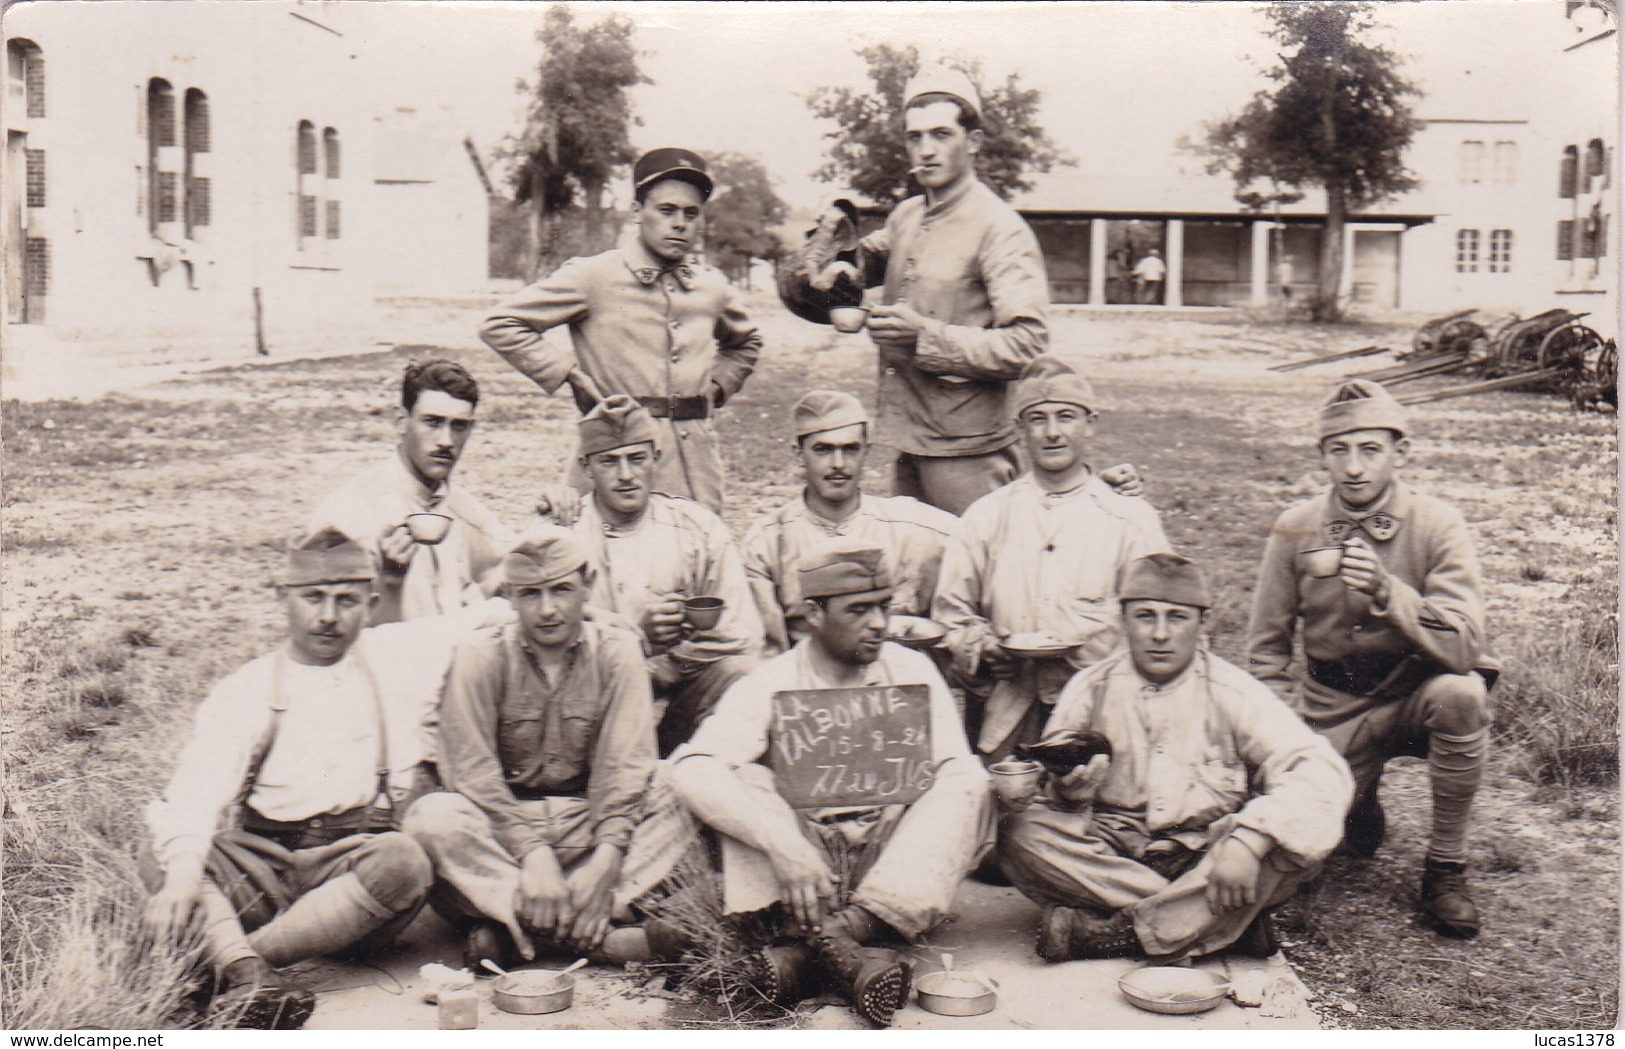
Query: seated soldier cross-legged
(845,869)
(553,833)
(312,752)
(1214,804)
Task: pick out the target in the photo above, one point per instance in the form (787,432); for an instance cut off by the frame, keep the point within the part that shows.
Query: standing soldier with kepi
(1386,581)
(646,320)
(964,306)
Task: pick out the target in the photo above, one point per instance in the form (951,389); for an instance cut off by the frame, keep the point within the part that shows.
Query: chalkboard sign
(834,747)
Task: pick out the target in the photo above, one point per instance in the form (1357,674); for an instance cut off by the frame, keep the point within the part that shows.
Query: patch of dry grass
(140,531)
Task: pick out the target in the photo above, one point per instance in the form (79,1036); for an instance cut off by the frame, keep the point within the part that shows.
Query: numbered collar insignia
(1380,526)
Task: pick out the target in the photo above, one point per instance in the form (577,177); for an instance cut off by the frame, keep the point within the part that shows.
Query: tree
(1336,118)
(577,129)
(868,153)
(740,219)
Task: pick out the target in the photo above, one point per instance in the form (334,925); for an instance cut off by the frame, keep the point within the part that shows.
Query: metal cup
(1016,780)
(1323,562)
(848,319)
(428,527)
(702,613)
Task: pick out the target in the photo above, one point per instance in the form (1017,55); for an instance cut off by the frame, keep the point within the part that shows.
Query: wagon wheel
(1520,350)
(1568,347)
(1458,336)
(1607,366)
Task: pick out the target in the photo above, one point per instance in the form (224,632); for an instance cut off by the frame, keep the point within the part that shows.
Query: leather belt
(1384,676)
(677,409)
(318,830)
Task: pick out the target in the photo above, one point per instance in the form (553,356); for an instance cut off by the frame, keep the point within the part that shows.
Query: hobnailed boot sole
(881,986)
(785,973)
(265,1008)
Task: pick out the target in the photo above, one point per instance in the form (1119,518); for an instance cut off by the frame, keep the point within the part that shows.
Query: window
(332,220)
(1568,179)
(307,148)
(34,83)
(330,152)
(1504,163)
(1596,159)
(163,198)
(1593,234)
(1467,251)
(1500,251)
(1565,239)
(1472,162)
(307,215)
(198,205)
(34,165)
(37,271)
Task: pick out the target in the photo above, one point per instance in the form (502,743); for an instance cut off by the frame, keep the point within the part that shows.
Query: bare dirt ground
(141,530)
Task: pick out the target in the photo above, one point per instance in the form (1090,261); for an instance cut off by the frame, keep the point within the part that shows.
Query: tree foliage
(741,217)
(1336,117)
(867,151)
(577,129)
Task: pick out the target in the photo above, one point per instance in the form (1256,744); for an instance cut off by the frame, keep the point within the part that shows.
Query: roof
(1177,196)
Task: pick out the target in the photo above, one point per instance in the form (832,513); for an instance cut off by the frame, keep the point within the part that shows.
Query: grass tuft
(1559,700)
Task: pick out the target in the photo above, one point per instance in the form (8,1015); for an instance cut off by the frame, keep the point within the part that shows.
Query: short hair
(448,377)
(968,118)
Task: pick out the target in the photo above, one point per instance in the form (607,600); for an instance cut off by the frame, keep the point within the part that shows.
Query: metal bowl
(1036,646)
(954,993)
(1173,990)
(914,631)
(533,991)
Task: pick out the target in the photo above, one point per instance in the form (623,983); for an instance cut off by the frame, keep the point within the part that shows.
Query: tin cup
(428,527)
(1016,780)
(702,613)
(1323,562)
(848,319)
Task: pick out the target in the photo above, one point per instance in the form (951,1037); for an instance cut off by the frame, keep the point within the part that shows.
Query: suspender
(279,704)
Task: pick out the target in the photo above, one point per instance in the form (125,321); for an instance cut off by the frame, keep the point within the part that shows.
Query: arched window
(26,67)
(1596,158)
(1472,162)
(1504,163)
(27,258)
(1568,179)
(198,204)
(307,167)
(330,151)
(330,155)
(163,181)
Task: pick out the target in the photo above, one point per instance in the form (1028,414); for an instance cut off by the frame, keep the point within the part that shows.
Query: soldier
(913,857)
(440,574)
(832,442)
(1041,556)
(548,741)
(646,320)
(1385,580)
(963,308)
(312,752)
(1214,804)
(651,553)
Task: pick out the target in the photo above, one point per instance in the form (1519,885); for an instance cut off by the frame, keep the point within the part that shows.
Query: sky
(1121,81)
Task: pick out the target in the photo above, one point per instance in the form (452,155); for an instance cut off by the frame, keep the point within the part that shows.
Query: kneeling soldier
(1393,635)
(903,861)
(1216,801)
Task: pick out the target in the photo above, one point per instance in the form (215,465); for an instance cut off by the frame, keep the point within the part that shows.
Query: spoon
(493,966)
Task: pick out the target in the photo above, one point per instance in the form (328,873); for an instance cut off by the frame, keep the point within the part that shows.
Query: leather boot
(250,995)
(1364,828)
(784,973)
(1257,940)
(667,942)
(1069,933)
(489,940)
(324,920)
(1445,901)
(875,980)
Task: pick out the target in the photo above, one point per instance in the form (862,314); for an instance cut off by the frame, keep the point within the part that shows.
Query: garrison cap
(544,553)
(615,422)
(1361,404)
(1048,380)
(940,80)
(1165,577)
(845,565)
(327,555)
(821,410)
(671,162)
